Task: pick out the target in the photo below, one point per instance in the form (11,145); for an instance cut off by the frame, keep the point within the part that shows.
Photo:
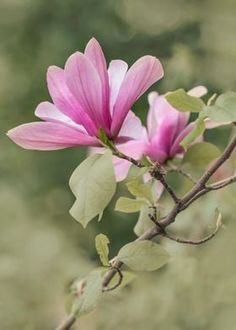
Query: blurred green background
(41,247)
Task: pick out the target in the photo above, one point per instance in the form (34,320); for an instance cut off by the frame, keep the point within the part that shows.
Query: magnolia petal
(167,121)
(116,72)
(134,149)
(94,53)
(85,84)
(48,111)
(198,91)
(132,127)
(176,147)
(121,166)
(65,101)
(143,73)
(49,136)
(152,117)
(156,152)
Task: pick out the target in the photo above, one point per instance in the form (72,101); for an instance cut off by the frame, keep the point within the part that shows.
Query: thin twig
(192,242)
(135,162)
(67,324)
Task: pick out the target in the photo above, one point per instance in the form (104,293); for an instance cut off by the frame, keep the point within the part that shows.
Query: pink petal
(132,127)
(84,82)
(198,91)
(94,53)
(143,73)
(116,72)
(134,149)
(165,125)
(121,166)
(65,101)
(156,152)
(152,117)
(176,148)
(49,136)
(48,112)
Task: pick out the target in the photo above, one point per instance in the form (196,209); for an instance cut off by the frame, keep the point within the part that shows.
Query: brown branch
(157,172)
(159,175)
(215,186)
(198,190)
(67,324)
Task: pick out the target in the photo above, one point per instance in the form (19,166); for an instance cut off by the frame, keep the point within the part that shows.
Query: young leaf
(128,205)
(144,223)
(143,255)
(101,244)
(201,154)
(224,109)
(182,101)
(93,184)
(140,190)
(195,133)
(90,291)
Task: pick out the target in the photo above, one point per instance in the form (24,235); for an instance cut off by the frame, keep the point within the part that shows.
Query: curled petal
(49,136)
(143,73)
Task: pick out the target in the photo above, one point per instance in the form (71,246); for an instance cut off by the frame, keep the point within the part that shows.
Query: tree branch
(198,190)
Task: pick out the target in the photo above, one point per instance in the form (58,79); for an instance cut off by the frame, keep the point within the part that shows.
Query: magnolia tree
(92,107)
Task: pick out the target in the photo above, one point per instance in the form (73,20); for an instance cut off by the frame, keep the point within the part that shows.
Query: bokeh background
(42,249)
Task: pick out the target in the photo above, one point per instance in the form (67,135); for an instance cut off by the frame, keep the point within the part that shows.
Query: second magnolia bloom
(160,141)
(88,97)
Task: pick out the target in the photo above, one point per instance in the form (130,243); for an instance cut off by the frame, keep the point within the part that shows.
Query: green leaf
(93,184)
(201,154)
(144,223)
(140,190)
(195,133)
(143,255)
(128,277)
(184,102)
(128,205)
(136,173)
(101,244)
(224,109)
(89,293)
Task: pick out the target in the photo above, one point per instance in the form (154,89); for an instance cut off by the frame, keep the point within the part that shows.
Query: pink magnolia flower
(166,128)
(86,97)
